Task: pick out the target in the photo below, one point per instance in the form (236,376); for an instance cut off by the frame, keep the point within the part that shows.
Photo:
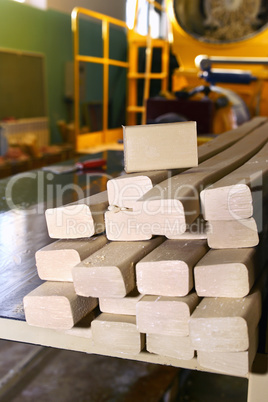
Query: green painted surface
(29,29)
(22,86)
(91,44)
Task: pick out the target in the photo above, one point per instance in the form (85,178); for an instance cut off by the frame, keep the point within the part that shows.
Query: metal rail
(135,41)
(204,62)
(106,61)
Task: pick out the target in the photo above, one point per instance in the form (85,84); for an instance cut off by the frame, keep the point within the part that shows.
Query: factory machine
(222,50)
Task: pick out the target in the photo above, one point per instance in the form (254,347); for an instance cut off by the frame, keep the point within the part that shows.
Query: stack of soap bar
(226,273)
(81,219)
(233,204)
(124,190)
(231,363)
(56,305)
(117,333)
(178,347)
(160,146)
(225,324)
(232,197)
(168,270)
(110,272)
(225,140)
(124,225)
(176,201)
(166,315)
(145,286)
(122,306)
(161,218)
(240,233)
(165,320)
(55,261)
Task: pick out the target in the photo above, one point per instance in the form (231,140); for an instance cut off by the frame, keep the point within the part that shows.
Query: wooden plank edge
(20,331)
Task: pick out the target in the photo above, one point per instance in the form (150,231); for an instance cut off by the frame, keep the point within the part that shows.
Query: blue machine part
(217,76)
(3,143)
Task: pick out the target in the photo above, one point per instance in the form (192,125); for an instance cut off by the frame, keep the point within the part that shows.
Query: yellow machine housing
(223,28)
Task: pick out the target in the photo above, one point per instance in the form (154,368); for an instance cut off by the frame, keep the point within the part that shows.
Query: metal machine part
(221,20)
(215,109)
(3,143)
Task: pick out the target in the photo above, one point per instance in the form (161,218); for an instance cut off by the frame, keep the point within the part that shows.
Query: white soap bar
(160,146)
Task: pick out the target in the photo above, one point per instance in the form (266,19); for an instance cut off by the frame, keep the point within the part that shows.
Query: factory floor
(65,376)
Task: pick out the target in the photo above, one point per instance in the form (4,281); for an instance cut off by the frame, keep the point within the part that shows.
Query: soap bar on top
(160,146)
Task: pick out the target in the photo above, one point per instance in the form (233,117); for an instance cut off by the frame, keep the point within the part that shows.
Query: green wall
(49,32)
